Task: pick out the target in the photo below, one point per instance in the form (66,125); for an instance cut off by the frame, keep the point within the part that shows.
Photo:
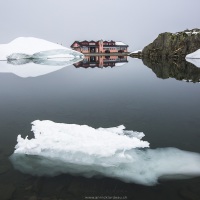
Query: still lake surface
(166,110)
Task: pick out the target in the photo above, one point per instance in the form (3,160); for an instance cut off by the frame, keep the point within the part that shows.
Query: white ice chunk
(112,152)
(77,138)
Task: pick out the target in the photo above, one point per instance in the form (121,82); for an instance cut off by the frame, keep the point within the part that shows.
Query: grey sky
(136,23)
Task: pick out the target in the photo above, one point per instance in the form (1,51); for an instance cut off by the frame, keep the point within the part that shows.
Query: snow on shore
(194,58)
(195,62)
(27,45)
(112,152)
(137,51)
(194,55)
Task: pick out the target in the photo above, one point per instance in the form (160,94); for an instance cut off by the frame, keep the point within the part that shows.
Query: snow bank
(195,62)
(194,55)
(189,32)
(194,58)
(120,43)
(137,51)
(112,152)
(28,45)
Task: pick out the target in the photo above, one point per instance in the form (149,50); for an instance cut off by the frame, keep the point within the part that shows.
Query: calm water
(166,110)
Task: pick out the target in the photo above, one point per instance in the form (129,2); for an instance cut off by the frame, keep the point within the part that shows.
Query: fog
(136,23)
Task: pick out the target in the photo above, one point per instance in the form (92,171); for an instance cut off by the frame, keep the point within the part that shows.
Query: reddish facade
(101,61)
(99,46)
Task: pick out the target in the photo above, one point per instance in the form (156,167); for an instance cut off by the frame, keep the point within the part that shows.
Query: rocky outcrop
(181,70)
(173,45)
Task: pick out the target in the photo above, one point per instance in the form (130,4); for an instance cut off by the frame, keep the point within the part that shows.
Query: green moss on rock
(176,46)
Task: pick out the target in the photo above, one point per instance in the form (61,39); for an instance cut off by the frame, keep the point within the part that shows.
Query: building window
(84,49)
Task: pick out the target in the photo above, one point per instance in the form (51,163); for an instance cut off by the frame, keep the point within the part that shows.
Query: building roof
(117,43)
(120,43)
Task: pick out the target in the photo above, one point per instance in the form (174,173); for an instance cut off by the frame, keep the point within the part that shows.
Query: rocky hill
(173,45)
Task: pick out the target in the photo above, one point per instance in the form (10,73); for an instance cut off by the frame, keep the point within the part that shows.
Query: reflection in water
(172,69)
(57,57)
(137,166)
(35,67)
(50,62)
(102,61)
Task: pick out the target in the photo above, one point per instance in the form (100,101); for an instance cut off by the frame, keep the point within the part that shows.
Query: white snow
(192,33)
(194,58)
(194,55)
(112,152)
(195,62)
(120,64)
(27,45)
(77,138)
(189,32)
(136,51)
(120,43)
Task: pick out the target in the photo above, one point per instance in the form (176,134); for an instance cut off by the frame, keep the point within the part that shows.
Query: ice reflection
(35,67)
(137,166)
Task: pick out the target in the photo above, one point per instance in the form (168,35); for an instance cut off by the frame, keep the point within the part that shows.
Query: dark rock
(4,166)
(6,191)
(32,198)
(173,46)
(188,195)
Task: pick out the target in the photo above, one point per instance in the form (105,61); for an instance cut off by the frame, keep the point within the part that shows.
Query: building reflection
(102,61)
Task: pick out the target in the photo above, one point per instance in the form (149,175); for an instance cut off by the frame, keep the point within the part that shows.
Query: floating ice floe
(22,54)
(194,58)
(112,152)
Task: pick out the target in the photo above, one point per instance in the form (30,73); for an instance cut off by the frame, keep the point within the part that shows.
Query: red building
(102,61)
(99,46)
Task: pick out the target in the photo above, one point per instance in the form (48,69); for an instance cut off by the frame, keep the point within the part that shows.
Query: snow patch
(194,58)
(120,43)
(137,51)
(194,55)
(120,64)
(28,45)
(195,62)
